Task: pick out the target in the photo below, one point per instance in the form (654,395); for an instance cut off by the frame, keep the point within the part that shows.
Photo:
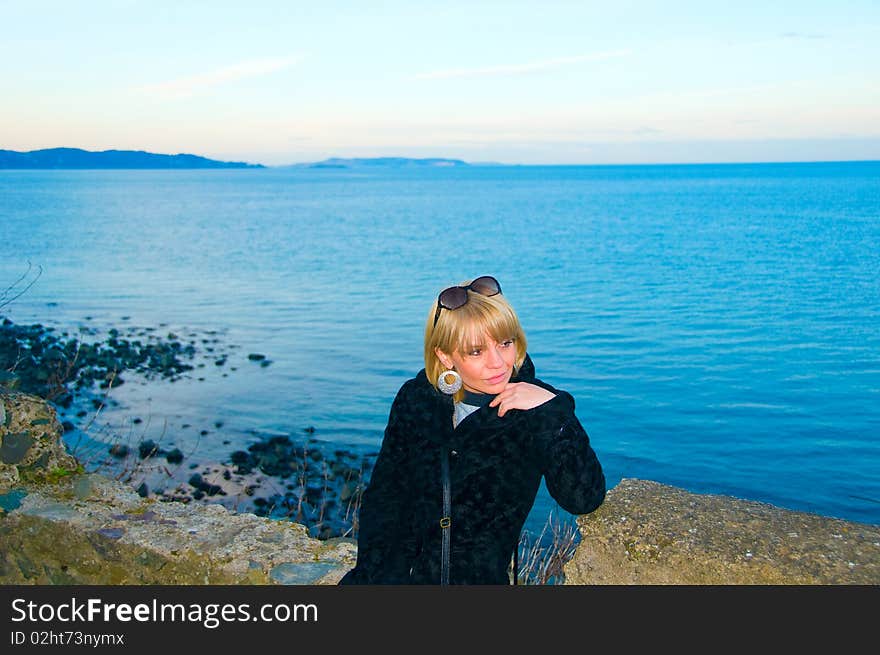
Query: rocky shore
(305,481)
(292,477)
(283,510)
(61,525)
(650,533)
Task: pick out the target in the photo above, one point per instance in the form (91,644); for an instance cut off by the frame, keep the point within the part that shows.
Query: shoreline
(299,479)
(296,481)
(293,476)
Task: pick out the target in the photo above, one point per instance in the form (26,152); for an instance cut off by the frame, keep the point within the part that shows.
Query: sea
(717,325)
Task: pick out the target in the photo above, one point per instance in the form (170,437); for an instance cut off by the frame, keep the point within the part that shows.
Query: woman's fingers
(520,395)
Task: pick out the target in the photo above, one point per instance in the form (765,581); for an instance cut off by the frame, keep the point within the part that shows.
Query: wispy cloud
(520,69)
(193,84)
(801,35)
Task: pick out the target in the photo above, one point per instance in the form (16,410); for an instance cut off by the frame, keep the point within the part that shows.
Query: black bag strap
(446,526)
(516,564)
(446,521)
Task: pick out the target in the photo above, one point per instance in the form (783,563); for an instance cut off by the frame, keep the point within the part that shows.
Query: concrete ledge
(650,533)
(92,530)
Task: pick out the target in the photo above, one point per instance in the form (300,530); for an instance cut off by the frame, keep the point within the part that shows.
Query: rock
(15,447)
(239,457)
(304,573)
(650,533)
(174,456)
(11,500)
(115,537)
(348,490)
(203,487)
(30,442)
(83,486)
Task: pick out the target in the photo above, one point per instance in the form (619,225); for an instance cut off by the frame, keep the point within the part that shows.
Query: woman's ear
(445,359)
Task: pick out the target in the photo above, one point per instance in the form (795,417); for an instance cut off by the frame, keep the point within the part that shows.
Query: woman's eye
(507,343)
(475,352)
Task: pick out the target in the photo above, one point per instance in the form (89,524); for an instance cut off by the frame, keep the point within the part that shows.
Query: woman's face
(486,368)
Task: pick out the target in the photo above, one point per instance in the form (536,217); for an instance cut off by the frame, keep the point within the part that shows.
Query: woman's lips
(497,378)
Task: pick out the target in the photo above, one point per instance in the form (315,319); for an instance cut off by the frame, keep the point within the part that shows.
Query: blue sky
(515,82)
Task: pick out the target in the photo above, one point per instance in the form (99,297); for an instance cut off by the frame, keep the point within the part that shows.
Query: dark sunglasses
(455,297)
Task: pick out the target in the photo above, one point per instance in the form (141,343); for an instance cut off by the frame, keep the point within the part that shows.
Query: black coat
(496,464)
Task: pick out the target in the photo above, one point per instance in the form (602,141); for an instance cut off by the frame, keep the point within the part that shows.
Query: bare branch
(11,293)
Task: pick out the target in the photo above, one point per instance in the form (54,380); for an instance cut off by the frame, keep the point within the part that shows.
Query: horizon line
(487,164)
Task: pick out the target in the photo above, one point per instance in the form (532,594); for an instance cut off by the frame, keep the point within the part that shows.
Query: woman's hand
(520,395)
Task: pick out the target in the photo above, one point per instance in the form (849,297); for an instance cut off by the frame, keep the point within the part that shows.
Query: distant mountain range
(85,159)
(76,158)
(386,162)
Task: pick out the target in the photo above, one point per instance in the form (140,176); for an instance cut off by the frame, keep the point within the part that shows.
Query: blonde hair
(464,328)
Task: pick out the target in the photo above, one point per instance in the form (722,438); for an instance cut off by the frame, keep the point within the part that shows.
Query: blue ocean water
(718,325)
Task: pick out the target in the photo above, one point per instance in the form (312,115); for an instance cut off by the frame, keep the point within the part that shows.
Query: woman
(467,442)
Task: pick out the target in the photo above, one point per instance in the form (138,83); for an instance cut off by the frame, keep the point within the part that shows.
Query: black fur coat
(496,464)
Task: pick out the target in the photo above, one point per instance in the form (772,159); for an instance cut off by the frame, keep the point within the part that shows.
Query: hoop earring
(449,388)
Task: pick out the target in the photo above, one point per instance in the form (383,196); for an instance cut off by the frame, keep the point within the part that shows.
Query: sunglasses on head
(455,297)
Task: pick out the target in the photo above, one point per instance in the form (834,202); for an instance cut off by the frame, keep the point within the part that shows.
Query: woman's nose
(495,358)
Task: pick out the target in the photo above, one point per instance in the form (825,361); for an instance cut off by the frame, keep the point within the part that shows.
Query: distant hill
(385,162)
(57,158)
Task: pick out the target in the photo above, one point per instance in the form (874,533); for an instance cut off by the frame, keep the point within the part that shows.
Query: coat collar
(439,406)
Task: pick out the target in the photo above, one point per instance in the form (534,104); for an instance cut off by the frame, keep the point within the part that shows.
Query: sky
(542,82)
